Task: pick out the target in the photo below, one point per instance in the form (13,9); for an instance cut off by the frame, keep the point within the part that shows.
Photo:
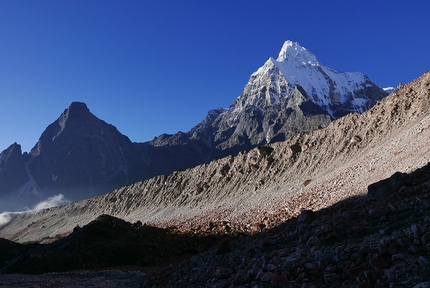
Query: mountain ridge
(308,171)
(81,156)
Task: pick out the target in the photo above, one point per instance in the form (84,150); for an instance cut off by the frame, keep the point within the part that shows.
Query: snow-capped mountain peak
(338,93)
(293,52)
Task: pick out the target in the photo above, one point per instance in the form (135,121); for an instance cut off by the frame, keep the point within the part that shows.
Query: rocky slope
(377,241)
(267,185)
(81,156)
(358,242)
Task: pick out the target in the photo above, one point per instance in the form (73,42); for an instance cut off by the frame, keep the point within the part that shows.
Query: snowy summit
(336,92)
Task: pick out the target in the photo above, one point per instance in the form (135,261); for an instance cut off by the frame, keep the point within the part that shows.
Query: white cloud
(53,201)
(56,200)
(4,218)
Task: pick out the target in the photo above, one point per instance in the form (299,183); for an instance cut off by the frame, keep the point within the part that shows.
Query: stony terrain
(268,192)
(359,242)
(377,241)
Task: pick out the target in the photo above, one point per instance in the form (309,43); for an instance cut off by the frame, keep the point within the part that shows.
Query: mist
(4,218)
(53,201)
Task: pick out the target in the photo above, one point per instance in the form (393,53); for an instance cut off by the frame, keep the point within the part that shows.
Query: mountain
(81,156)
(347,204)
(286,96)
(12,169)
(77,155)
(267,185)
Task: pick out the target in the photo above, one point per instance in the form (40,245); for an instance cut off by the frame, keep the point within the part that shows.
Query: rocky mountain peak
(77,111)
(12,169)
(78,106)
(75,120)
(293,52)
(14,149)
(338,93)
(81,151)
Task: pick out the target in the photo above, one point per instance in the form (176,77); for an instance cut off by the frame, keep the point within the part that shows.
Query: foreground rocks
(359,242)
(104,243)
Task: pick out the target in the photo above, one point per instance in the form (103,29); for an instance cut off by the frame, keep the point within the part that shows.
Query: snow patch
(389,90)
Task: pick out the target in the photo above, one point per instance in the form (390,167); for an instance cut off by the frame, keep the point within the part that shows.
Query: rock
(283,252)
(422,285)
(378,263)
(278,280)
(425,239)
(331,278)
(370,275)
(388,186)
(266,277)
(224,247)
(306,216)
(327,228)
(210,270)
(377,212)
(221,273)
(417,229)
(398,257)
(313,241)
(355,272)
(423,261)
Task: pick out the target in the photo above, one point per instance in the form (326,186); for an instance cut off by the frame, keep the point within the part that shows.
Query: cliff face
(267,184)
(78,155)
(12,170)
(82,153)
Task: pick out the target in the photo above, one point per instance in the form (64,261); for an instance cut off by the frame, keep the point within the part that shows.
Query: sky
(153,67)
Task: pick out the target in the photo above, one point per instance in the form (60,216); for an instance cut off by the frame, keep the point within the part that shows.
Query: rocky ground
(359,242)
(378,241)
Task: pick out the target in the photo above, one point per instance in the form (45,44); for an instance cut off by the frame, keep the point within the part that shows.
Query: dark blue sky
(153,67)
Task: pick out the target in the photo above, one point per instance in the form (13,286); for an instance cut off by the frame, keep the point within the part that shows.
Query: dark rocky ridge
(12,169)
(83,154)
(77,155)
(104,243)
